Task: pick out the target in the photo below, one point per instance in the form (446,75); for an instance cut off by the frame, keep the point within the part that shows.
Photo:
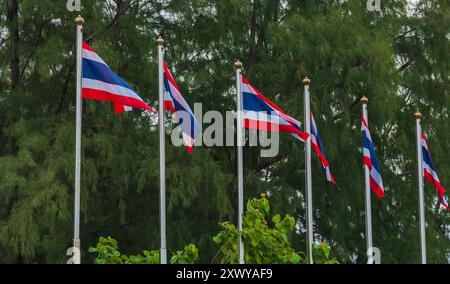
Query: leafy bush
(263,244)
(322,254)
(186,256)
(107,251)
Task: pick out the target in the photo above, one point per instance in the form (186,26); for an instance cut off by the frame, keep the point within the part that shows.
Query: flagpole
(238,66)
(162,154)
(364,101)
(423,244)
(308,179)
(79,21)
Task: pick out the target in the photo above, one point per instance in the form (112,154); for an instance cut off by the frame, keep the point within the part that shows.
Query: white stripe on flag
(366,153)
(377,177)
(298,137)
(110,88)
(430,171)
(365,129)
(178,97)
(247,89)
(87,54)
(264,116)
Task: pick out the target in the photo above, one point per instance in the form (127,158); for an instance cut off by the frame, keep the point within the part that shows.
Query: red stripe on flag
(368,162)
(320,155)
(169,76)
(119,109)
(268,126)
(87,47)
(364,122)
(445,205)
(331,176)
(114,98)
(168,105)
(266,100)
(439,188)
(376,188)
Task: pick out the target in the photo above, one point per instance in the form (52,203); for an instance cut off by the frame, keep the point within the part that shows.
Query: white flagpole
(364,101)
(423,244)
(162,154)
(238,66)
(76,238)
(308,177)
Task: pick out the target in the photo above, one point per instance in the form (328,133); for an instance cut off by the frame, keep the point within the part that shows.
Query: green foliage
(322,254)
(398,58)
(263,244)
(107,252)
(189,255)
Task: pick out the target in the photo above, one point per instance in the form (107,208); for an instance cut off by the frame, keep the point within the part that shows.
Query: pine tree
(397,58)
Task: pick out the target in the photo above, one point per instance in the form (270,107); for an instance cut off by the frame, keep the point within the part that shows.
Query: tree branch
(27,62)
(405,65)
(12,7)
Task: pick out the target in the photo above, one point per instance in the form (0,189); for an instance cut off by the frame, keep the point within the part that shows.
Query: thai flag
(261,114)
(444,202)
(429,171)
(99,82)
(370,160)
(174,101)
(316,144)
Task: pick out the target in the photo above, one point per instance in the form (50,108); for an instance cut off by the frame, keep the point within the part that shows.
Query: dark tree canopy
(398,58)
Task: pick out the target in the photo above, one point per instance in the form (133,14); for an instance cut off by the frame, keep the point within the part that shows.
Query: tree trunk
(1,137)
(253,27)
(14,37)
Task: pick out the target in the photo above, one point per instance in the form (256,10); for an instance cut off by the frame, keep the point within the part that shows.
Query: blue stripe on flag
(251,102)
(194,126)
(368,145)
(427,158)
(97,71)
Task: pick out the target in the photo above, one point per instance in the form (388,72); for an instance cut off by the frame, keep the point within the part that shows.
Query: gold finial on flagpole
(306,81)
(417,114)
(364,100)
(160,41)
(238,64)
(79,20)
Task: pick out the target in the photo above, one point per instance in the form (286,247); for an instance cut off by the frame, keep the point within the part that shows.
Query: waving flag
(370,160)
(444,202)
(316,144)
(429,171)
(261,114)
(99,82)
(174,101)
